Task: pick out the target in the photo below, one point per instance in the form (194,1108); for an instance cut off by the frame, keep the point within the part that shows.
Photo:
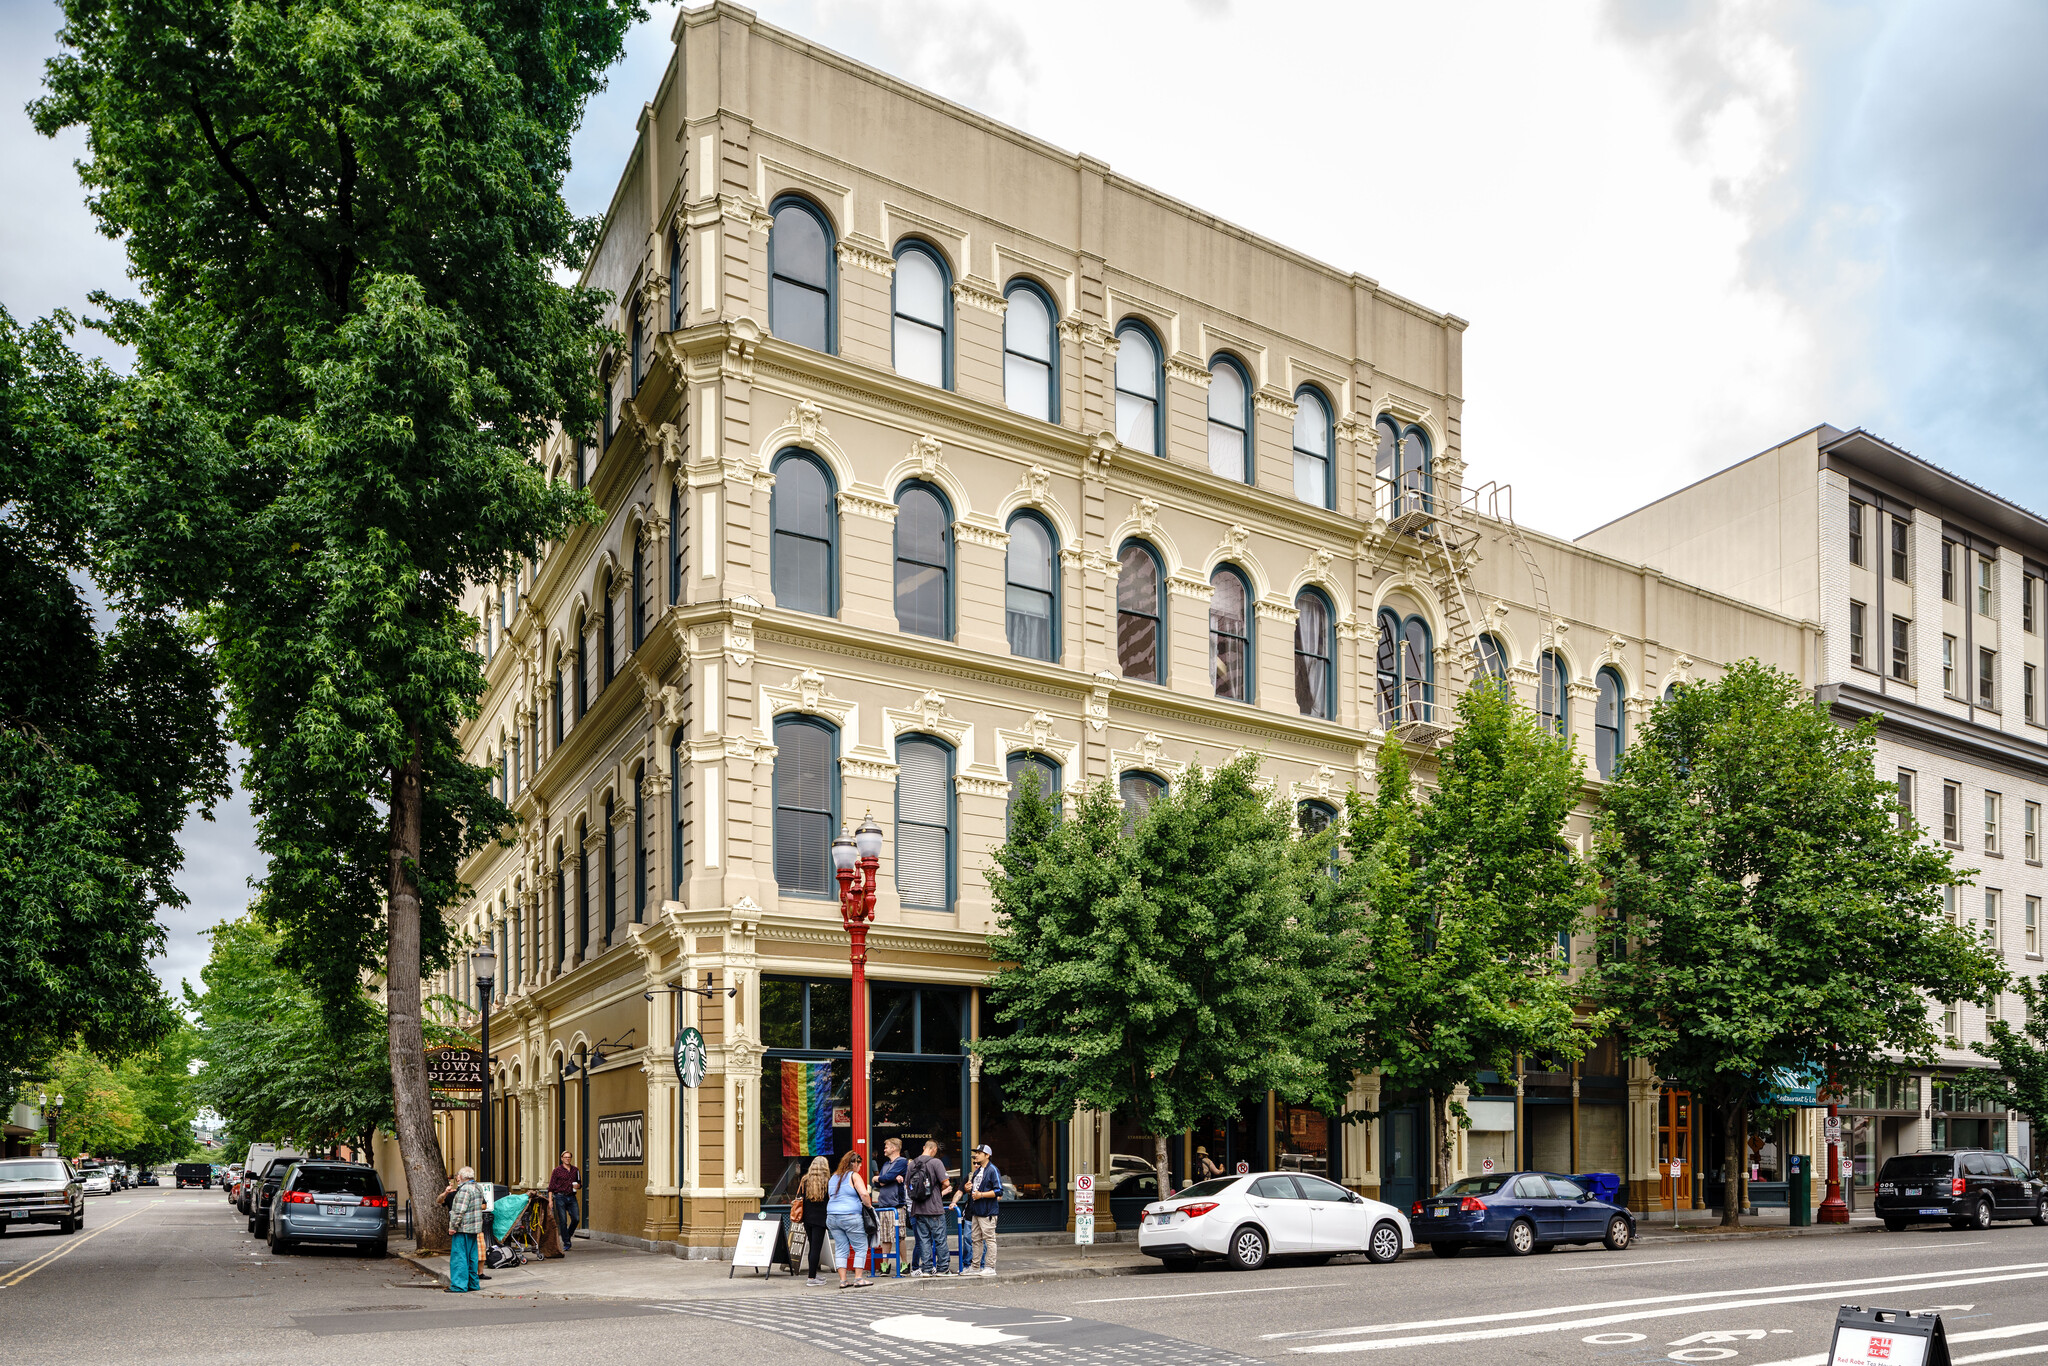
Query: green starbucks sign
(691,1057)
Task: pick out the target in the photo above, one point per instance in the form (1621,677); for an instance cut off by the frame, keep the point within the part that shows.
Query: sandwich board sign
(1887,1337)
(763,1242)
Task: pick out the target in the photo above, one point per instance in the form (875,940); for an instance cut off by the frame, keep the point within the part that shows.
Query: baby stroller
(515,1231)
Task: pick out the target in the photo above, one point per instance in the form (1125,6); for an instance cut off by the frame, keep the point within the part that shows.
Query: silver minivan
(331,1202)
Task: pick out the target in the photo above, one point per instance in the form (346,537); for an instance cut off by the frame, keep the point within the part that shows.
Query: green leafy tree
(99,1117)
(1169,974)
(2019,1078)
(1780,920)
(161,1085)
(107,735)
(1457,904)
(346,218)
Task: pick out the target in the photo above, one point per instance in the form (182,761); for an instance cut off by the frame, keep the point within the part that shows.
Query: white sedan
(1247,1219)
(97,1182)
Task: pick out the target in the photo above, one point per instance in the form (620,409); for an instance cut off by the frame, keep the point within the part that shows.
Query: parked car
(148,1177)
(41,1190)
(1522,1212)
(97,1182)
(1968,1187)
(330,1202)
(1247,1219)
(265,1195)
(192,1174)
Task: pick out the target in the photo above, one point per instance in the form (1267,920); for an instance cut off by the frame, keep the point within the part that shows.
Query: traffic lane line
(1203,1294)
(1976,1335)
(1627,1266)
(1532,1329)
(1512,1314)
(71,1244)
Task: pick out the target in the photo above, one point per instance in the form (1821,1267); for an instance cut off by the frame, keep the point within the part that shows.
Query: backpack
(921,1187)
(499,1257)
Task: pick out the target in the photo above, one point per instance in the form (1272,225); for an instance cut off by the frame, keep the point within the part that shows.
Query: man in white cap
(982,1190)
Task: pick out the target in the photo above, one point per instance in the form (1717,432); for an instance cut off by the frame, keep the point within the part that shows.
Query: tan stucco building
(937,452)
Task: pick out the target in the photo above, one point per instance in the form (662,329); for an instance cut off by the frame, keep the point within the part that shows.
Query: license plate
(1169,1217)
(1934,1211)
(17,1214)
(1914,1190)
(332,1210)
(1440,1212)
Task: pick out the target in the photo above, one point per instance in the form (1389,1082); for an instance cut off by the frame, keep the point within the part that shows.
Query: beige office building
(938,456)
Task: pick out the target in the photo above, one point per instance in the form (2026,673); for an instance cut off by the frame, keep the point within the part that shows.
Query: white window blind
(923,810)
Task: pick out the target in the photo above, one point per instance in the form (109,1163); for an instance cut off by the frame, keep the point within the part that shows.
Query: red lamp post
(857,862)
(1833,1210)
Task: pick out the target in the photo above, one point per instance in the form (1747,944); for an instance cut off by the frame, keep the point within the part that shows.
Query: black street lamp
(53,1110)
(484,964)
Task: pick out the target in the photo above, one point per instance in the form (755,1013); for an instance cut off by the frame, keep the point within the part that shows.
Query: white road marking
(2011,1330)
(2000,1356)
(1531,1329)
(1204,1294)
(949,1332)
(1413,1324)
(1624,1266)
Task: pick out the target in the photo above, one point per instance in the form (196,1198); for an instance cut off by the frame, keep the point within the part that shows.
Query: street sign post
(1677,1173)
(1244,1168)
(1486,1164)
(1084,1208)
(1084,1229)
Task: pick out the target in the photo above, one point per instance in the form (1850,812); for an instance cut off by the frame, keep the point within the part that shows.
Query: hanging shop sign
(692,1059)
(455,1069)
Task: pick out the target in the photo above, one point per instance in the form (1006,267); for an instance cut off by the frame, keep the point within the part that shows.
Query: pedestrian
(847,1222)
(889,1211)
(465,1224)
(562,1183)
(927,1188)
(981,1191)
(813,1192)
(1205,1166)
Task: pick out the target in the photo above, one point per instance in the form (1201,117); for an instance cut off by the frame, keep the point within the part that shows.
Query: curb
(423,1266)
(1751,1234)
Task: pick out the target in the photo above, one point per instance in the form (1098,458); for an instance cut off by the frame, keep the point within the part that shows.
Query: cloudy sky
(1681,231)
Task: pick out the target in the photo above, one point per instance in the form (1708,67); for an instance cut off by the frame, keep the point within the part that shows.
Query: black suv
(259,1203)
(1969,1188)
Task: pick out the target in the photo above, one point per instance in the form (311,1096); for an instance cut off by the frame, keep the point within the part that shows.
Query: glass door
(1674,1140)
(1401,1154)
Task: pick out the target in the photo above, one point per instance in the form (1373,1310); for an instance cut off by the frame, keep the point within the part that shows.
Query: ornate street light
(857,862)
(484,964)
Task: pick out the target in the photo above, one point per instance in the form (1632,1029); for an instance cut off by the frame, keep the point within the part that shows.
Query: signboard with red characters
(1887,1337)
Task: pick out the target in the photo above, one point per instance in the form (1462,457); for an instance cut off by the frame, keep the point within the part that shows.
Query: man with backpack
(981,1190)
(927,1187)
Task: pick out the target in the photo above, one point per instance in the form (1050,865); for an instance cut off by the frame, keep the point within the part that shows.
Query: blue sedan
(1523,1212)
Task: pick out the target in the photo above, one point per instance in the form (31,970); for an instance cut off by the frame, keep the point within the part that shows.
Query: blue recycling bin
(1604,1185)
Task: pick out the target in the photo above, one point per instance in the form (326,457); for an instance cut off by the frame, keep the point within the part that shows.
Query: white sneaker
(988,1271)
(913,1272)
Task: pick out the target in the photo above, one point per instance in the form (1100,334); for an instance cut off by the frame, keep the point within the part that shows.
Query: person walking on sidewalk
(928,1187)
(814,1191)
(889,1209)
(846,1219)
(562,1185)
(981,1192)
(465,1223)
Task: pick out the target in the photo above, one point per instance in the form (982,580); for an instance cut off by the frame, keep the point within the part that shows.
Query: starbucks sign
(691,1057)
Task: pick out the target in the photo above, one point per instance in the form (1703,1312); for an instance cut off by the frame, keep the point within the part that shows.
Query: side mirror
(1584,1197)
(1356,1199)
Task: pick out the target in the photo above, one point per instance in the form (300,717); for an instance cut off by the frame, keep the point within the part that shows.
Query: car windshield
(1201,1188)
(1916,1168)
(279,1167)
(41,1169)
(337,1181)
(1476,1185)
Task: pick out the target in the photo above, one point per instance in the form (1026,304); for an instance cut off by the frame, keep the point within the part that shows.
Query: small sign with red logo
(1887,1337)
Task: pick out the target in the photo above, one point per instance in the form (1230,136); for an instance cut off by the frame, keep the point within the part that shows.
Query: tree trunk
(1737,1122)
(1443,1142)
(412,1103)
(1159,1161)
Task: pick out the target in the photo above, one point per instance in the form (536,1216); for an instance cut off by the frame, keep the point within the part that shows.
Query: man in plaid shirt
(466,1223)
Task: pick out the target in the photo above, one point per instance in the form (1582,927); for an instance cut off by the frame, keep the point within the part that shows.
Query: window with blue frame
(802,275)
(1553,694)
(1031,353)
(1610,720)
(1315,817)
(582,681)
(561,907)
(1403,467)
(555,700)
(636,610)
(1315,477)
(678,845)
(675,282)
(1315,655)
(924,562)
(1492,658)
(803,513)
(607,659)
(675,545)
(1140,417)
(639,845)
(924,822)
(582,887)
(1405,670)
(1230,633)
(1138,790)
(1031,586)
(609,897)
(1141,613)
(806,804)
(1036,770)
(1230,420)
(922,329)
(638,332)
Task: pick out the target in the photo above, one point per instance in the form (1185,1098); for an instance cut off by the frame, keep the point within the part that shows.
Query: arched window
(804,513)
(611,373)
(923,308)
(924,823)
(1405,668)
(1138,790)
(1030,353)
(677,845)
(561,907)
(1139,424)
(1230,420)
(582,888)
(806,804)
(638,354)
(1315,654)
(1314,472)
(639,845)
(675,545)
(1230,634)
(1553,694)
(1670,691)
(608,629)
(582,675)
(675,282)
(1031,585)
(1140,613)
(1402,464)
(1493,659)
(1609,722)
(924,562)
(611,874)
(1314,817)
(555,699)
(802,274)
(1036,769)
(636,610)
(581,463)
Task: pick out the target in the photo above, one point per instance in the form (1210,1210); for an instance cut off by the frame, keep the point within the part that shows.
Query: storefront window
(1027,1146)
(787,1144)
(1301,1138)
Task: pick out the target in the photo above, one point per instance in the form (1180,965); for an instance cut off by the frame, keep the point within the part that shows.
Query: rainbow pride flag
(806,1108)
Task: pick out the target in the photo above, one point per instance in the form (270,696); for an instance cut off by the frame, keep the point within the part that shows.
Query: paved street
(172,1276)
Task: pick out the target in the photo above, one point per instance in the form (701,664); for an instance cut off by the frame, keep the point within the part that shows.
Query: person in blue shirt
(889,1184)
(982,1190)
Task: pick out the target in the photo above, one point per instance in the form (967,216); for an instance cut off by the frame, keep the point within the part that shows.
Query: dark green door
(1401,1158)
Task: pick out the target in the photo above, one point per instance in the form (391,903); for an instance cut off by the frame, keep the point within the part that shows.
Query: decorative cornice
(806,693)
(1187,371)
(878,262)
(989,784)
(977,294)
(1150,755)
(1040,733)
(972,533)
(1185,585)
(867,505)
(1275,402)
(871,764)
(928,715)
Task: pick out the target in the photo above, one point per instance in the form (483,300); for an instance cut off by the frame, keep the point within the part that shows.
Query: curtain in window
(1028,574)
(1137,614)
(924,553)
(1229,634)
(1137,390)
(1312,449)
(1312,691)
(1229,422)
(923,820)
(1138,791)
(920,322)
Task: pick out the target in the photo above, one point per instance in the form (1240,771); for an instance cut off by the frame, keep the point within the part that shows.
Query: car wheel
(67,1225)
(1619,1234)
(1521,1238)
(1895,1225)
(79,1222)
(2041,1210)
(376,1250)
(1247,1249)
(1980,1217)
(279,1246)
(1384,1245)
(1446,1249)
(261,1229)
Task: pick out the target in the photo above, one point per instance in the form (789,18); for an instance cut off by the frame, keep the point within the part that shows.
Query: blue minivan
(331,1202)
(1522,1212)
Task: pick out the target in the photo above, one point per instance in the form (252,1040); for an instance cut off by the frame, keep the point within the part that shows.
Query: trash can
(1603,1185)
(1799,1189)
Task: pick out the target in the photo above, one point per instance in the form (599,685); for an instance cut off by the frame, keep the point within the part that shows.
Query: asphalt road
(172,1276)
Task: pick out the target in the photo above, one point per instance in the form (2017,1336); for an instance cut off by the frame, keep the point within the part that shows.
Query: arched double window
(1031,584)
(1038,771)
(1610,721)
(924,822)
(1315,655)
(924,562)
(804,514)
(1031,353)
(1402,464)
(1138,790)
(1405,668)
(582,888)
(1230,420)
(1553,694)
(1140,423)
(1315,479)
(1140,613)
(1492,658)
(1230,633)
(922,330)
(806,804)
(803,275)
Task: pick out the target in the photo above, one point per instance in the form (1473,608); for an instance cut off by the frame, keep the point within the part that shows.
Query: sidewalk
(1704,1225)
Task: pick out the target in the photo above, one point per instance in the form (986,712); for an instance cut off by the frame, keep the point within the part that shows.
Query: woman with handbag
(808,1209)
(848,1209)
